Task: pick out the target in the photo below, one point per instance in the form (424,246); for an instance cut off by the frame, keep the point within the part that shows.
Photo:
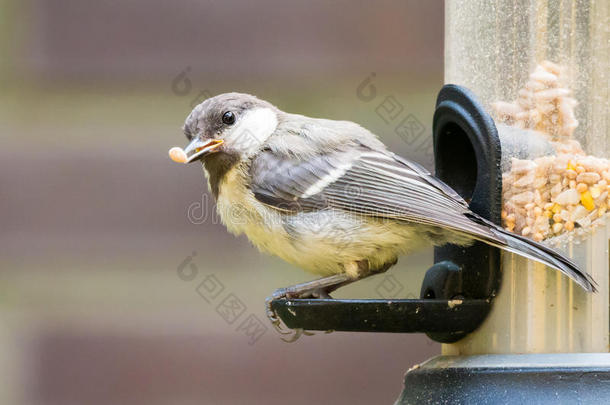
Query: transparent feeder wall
(541,68)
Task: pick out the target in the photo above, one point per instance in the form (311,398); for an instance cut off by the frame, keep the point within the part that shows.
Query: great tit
(329,197)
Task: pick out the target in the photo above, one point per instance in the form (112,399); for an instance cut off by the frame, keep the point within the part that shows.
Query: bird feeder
(521,131)
(541,70)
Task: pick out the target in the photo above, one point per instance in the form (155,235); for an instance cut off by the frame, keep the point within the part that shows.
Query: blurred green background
(95,218)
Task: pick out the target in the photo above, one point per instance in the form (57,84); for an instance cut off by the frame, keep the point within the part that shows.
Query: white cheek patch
(252,130)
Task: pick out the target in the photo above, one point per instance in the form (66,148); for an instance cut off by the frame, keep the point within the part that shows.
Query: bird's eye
(228,118)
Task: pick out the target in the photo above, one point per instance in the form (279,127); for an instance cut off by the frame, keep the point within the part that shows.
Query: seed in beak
(177,154)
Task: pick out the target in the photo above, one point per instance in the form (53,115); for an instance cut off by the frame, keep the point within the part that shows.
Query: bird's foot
(288,335)
(320,289)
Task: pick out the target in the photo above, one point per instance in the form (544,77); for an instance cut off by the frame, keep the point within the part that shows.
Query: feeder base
(571,378)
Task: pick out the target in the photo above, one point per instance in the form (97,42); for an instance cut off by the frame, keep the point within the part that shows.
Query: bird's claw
(276,322)
(296,334)
(292,335)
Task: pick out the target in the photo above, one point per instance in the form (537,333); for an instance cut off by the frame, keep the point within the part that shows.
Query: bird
(329,197)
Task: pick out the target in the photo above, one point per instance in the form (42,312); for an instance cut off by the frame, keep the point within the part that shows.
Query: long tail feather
(536,251)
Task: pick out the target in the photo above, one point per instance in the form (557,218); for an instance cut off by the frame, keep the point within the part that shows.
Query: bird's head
(233,123)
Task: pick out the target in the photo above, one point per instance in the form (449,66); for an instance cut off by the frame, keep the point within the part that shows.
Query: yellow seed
(548,214)
(569,226)
(595,191)
(571,166)
(587,200)
(177,155)
(556,208)
(557,218)
(581,187)
(571,174)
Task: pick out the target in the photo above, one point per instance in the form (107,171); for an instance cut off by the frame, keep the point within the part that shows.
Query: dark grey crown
(207,116)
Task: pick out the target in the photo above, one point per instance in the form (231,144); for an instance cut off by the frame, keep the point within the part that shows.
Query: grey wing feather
(362,181)
(378,184)
(431,179)
(282,181)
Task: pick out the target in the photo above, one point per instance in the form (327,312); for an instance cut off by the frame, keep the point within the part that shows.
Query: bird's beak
(195,150)
(198,148)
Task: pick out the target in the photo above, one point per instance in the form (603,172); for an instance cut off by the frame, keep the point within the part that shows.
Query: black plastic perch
(457,292)
(407,316)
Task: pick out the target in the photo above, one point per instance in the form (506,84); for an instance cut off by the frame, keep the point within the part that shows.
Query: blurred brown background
(96,220)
